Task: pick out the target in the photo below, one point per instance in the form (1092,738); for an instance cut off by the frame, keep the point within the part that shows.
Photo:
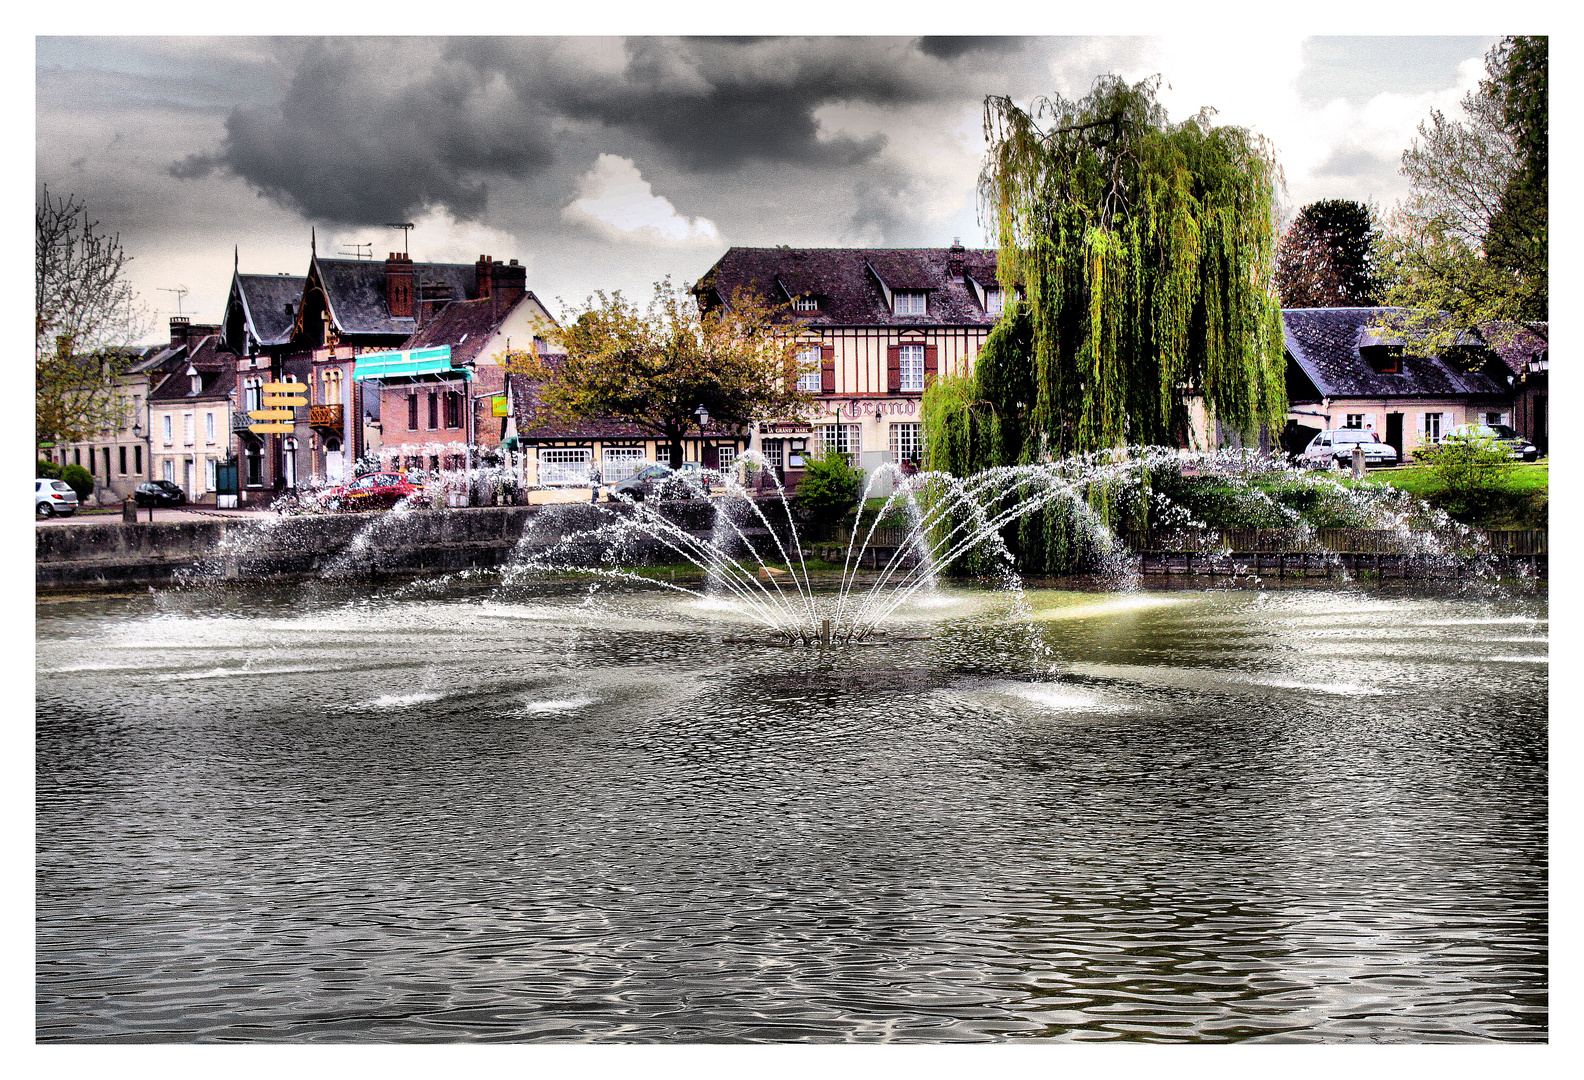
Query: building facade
(190,415)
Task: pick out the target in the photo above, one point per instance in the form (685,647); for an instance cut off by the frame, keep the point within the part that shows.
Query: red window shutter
(894,368)
(931,363)
(827,369)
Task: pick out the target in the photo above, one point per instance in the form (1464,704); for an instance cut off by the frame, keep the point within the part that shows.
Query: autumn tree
(1326,258)
(86,322)
(1471,238)
(655,367)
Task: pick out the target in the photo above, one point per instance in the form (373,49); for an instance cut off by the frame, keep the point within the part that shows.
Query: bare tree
(87,320)
(1459,168)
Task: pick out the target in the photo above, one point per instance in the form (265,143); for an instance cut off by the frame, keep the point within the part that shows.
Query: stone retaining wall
(119,554)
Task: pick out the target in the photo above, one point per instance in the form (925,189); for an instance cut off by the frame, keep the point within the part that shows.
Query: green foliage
(1144,248)
(79,480)
(1327,257)
(1469,473)
(829,488)
(48,470)
(1522,501)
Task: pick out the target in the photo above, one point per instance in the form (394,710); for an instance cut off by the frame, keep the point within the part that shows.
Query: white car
(1335,446)
(1498,434)
(51,497)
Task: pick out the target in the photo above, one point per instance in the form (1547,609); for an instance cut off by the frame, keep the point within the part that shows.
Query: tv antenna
(181,293)
(405,227)
(359,253)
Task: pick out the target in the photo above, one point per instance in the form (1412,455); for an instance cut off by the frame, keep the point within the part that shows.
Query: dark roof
(1518,346)
(533,423)
(158,358)
(848,282)
(1324,342)
(214,364)
(264,298)
(464,326)
(356,289)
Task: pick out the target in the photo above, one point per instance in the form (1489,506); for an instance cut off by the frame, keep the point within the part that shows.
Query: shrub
(48,470)
(829,488)
(1470,473)
(78,480)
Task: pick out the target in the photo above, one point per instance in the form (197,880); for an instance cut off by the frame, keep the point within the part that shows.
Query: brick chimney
(178,328)
(482,273)
(508,282)
(954,259)
(399,285)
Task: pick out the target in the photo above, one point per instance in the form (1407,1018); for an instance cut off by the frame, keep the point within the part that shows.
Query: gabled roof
(533,422)
(465,326)
(1324,343)
(852,282)
(265,299)
(215,366)
(356,291)
(158,358)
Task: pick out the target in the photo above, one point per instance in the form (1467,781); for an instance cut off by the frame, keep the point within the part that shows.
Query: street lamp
(703,418)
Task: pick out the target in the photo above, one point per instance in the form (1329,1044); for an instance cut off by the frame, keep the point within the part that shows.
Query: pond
(445,811)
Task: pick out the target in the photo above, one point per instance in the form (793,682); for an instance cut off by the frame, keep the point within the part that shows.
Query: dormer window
(806,303)
(994,303)
(910,303)
(1383,359)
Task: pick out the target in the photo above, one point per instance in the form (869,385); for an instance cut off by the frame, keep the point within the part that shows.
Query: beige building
(190,419)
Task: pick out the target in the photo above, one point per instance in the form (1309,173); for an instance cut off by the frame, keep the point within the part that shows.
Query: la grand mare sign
(852,409)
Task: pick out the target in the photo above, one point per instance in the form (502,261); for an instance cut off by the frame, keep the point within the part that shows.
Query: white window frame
(810,359)
(774,451)
(617,463)
(726,456)
(910,302)
(911,359)
(845,439)
(209,428)
(1354,420)
(906,441)
(995,301)
(210,480)
(1431,420)
(805,303)
(187,429)
(167,430)
(168,470)
(562,466)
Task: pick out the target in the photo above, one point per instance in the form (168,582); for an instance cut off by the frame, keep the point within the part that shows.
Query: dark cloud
(952,48)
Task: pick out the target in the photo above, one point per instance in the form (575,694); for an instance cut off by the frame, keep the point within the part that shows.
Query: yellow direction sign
(285,396)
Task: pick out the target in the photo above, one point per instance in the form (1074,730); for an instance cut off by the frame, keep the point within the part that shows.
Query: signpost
(279,400)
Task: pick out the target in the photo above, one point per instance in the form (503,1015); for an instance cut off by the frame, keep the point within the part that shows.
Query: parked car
(159,493)
(1500,434)
(51,497)
(373,491)
(661,482)
(1335,446)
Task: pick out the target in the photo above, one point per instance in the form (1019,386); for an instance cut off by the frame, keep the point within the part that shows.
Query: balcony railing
(325,416)
(240,421)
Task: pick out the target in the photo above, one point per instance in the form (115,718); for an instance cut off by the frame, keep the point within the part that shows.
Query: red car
(375,491)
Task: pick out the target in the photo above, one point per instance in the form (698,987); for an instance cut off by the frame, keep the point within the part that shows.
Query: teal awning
(386,365)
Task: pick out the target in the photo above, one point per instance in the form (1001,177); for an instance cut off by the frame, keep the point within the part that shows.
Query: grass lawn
(1523,504)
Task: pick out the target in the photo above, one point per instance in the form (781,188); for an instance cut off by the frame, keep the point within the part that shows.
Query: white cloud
(616,201)
(439,237)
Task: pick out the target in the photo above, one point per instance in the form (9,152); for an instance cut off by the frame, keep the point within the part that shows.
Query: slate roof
(356,289)
(1517,346)
(216,366)
(264,298)
(1324,342)
(465,326)
(532,423)
(158,358)
(848,282)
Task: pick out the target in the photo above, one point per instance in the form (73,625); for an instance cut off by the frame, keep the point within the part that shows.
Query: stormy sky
(611,162)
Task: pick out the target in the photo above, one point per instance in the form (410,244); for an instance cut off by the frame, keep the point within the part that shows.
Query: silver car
(1334,446)
(51,497)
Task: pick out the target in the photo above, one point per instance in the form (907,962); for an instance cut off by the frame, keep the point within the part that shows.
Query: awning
(386,365)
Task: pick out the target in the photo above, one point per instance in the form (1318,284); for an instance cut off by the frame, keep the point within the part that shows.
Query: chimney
(399,285)
(954,259)
(178,328)
(508,282)
(481,276)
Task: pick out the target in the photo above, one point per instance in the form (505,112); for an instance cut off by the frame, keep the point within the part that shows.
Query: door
(1394,434)
(187,483)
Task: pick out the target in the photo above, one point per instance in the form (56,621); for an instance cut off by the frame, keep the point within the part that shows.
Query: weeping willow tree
(1143,250)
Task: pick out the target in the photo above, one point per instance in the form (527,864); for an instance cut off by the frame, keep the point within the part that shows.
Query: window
(209,475)
(165,429)
(137,459)
(91,471)
(809,368)
(434,409)
(910,303)
(1494,418)
(123,460)
(995,303)
(107,464)
(620,462)
(728,454)
(187,428)
(209,427)
(1354,420)
(907,442)
(169,470)
(564,466)
(254,394)
(453,409)
(255,465)
(842,438)
(1432,427)
(332,387)
(774,452)
(912,367)
(412,412)
(77,453)
(805,303)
